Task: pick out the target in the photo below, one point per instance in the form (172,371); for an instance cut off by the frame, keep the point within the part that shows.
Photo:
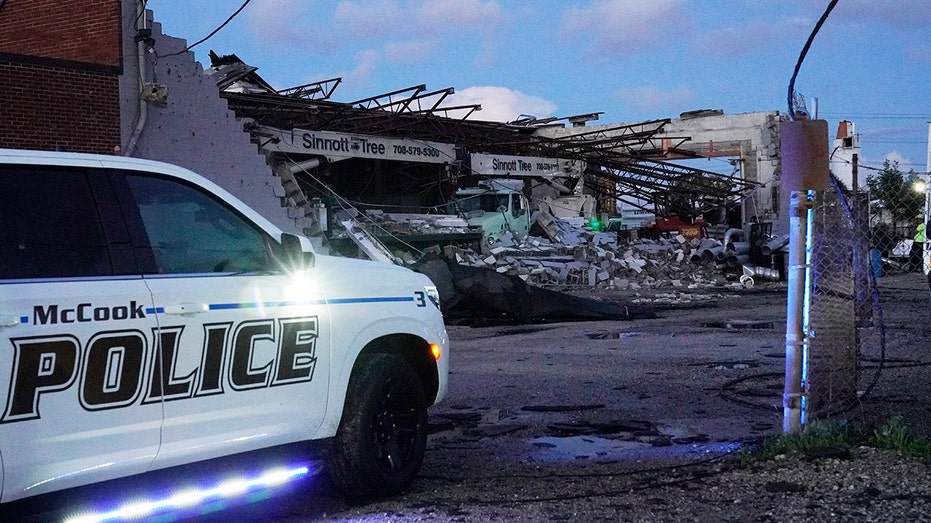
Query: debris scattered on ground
(601,259)
(470,293)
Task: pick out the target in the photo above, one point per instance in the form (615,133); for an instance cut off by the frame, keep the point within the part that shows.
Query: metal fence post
(804,149)
(797,279)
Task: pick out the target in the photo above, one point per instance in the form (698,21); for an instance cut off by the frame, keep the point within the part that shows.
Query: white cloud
(895,157)
(500,104)
(444,16)
(753,36)
(409,51)
(368,18)
(278,23)
(653,99)
(894,14)
(390,18)
(366,63)
(625,26)
(413,30)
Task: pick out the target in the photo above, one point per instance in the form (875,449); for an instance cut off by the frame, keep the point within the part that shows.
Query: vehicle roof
(479,190)
(66,159)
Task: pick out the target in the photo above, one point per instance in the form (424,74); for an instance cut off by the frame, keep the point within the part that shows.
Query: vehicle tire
(381,439)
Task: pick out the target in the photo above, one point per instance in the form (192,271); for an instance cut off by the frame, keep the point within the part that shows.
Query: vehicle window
(190,231)
(515,205)
(49,225)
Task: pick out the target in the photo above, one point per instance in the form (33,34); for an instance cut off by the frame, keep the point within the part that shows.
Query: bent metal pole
(804,148)
(796,337)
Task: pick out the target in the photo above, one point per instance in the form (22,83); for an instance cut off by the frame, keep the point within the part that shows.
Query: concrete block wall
(195,129)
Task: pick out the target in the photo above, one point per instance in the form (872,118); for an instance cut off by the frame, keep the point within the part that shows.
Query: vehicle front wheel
(381,439)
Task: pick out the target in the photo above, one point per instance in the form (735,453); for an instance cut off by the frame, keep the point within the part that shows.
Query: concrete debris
(408,224)
(600,259)
(574,256)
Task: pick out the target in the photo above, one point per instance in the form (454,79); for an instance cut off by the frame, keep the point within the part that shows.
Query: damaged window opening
(484,202)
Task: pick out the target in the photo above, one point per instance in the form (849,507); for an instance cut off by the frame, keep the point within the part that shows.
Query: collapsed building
(380,175)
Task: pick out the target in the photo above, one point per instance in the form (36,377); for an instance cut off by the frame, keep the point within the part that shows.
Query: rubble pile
(596,259)
(407,224)
(404,225)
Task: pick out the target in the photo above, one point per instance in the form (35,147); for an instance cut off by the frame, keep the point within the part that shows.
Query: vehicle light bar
(188,498)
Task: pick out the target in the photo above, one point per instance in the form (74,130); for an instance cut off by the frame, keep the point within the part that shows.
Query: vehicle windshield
(488,202)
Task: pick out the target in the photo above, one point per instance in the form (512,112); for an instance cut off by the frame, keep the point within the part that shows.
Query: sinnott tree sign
(340,146)
(504,165)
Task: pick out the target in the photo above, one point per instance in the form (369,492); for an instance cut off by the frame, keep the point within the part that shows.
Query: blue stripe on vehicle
(337,301)
(341,301)
(275,304)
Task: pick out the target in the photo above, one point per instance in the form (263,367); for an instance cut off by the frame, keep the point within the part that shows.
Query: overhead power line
(878,116)
(801,58)
(215,31)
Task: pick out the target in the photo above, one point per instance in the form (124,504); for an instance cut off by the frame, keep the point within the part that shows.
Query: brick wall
(83,31)
(50,108)
(60,63)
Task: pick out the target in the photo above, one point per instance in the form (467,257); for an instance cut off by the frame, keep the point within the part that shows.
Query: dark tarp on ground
(474,293)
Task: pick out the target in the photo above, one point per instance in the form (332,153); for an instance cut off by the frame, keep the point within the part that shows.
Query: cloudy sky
(631,60)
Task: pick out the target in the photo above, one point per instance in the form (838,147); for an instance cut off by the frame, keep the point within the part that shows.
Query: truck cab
(496,210)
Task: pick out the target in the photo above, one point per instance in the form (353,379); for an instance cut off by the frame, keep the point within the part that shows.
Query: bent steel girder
(670,188)
(615,156)
(321,90)
(626,158)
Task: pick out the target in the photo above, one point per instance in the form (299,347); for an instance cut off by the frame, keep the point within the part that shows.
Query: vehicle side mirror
(294,254)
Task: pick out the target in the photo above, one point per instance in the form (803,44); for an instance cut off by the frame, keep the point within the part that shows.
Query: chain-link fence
(869,351)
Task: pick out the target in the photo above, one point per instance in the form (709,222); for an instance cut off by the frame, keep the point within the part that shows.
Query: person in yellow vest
(918,246)
(927,246)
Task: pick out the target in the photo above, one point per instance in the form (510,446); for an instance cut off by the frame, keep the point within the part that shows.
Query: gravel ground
(643,421)
(864,484)
(482,478)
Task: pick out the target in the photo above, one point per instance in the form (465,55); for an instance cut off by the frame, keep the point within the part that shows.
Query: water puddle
(583,447)
(740,325)
(603,449)
(611,335)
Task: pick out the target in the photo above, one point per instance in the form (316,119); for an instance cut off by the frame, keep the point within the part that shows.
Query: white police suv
(149,319)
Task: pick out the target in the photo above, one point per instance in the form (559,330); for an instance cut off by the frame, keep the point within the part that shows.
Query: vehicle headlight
(432,293)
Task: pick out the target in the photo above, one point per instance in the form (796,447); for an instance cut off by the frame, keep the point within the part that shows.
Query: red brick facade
(60,62)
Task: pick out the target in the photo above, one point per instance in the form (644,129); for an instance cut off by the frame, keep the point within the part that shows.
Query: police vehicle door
(75,334)
(244,349)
